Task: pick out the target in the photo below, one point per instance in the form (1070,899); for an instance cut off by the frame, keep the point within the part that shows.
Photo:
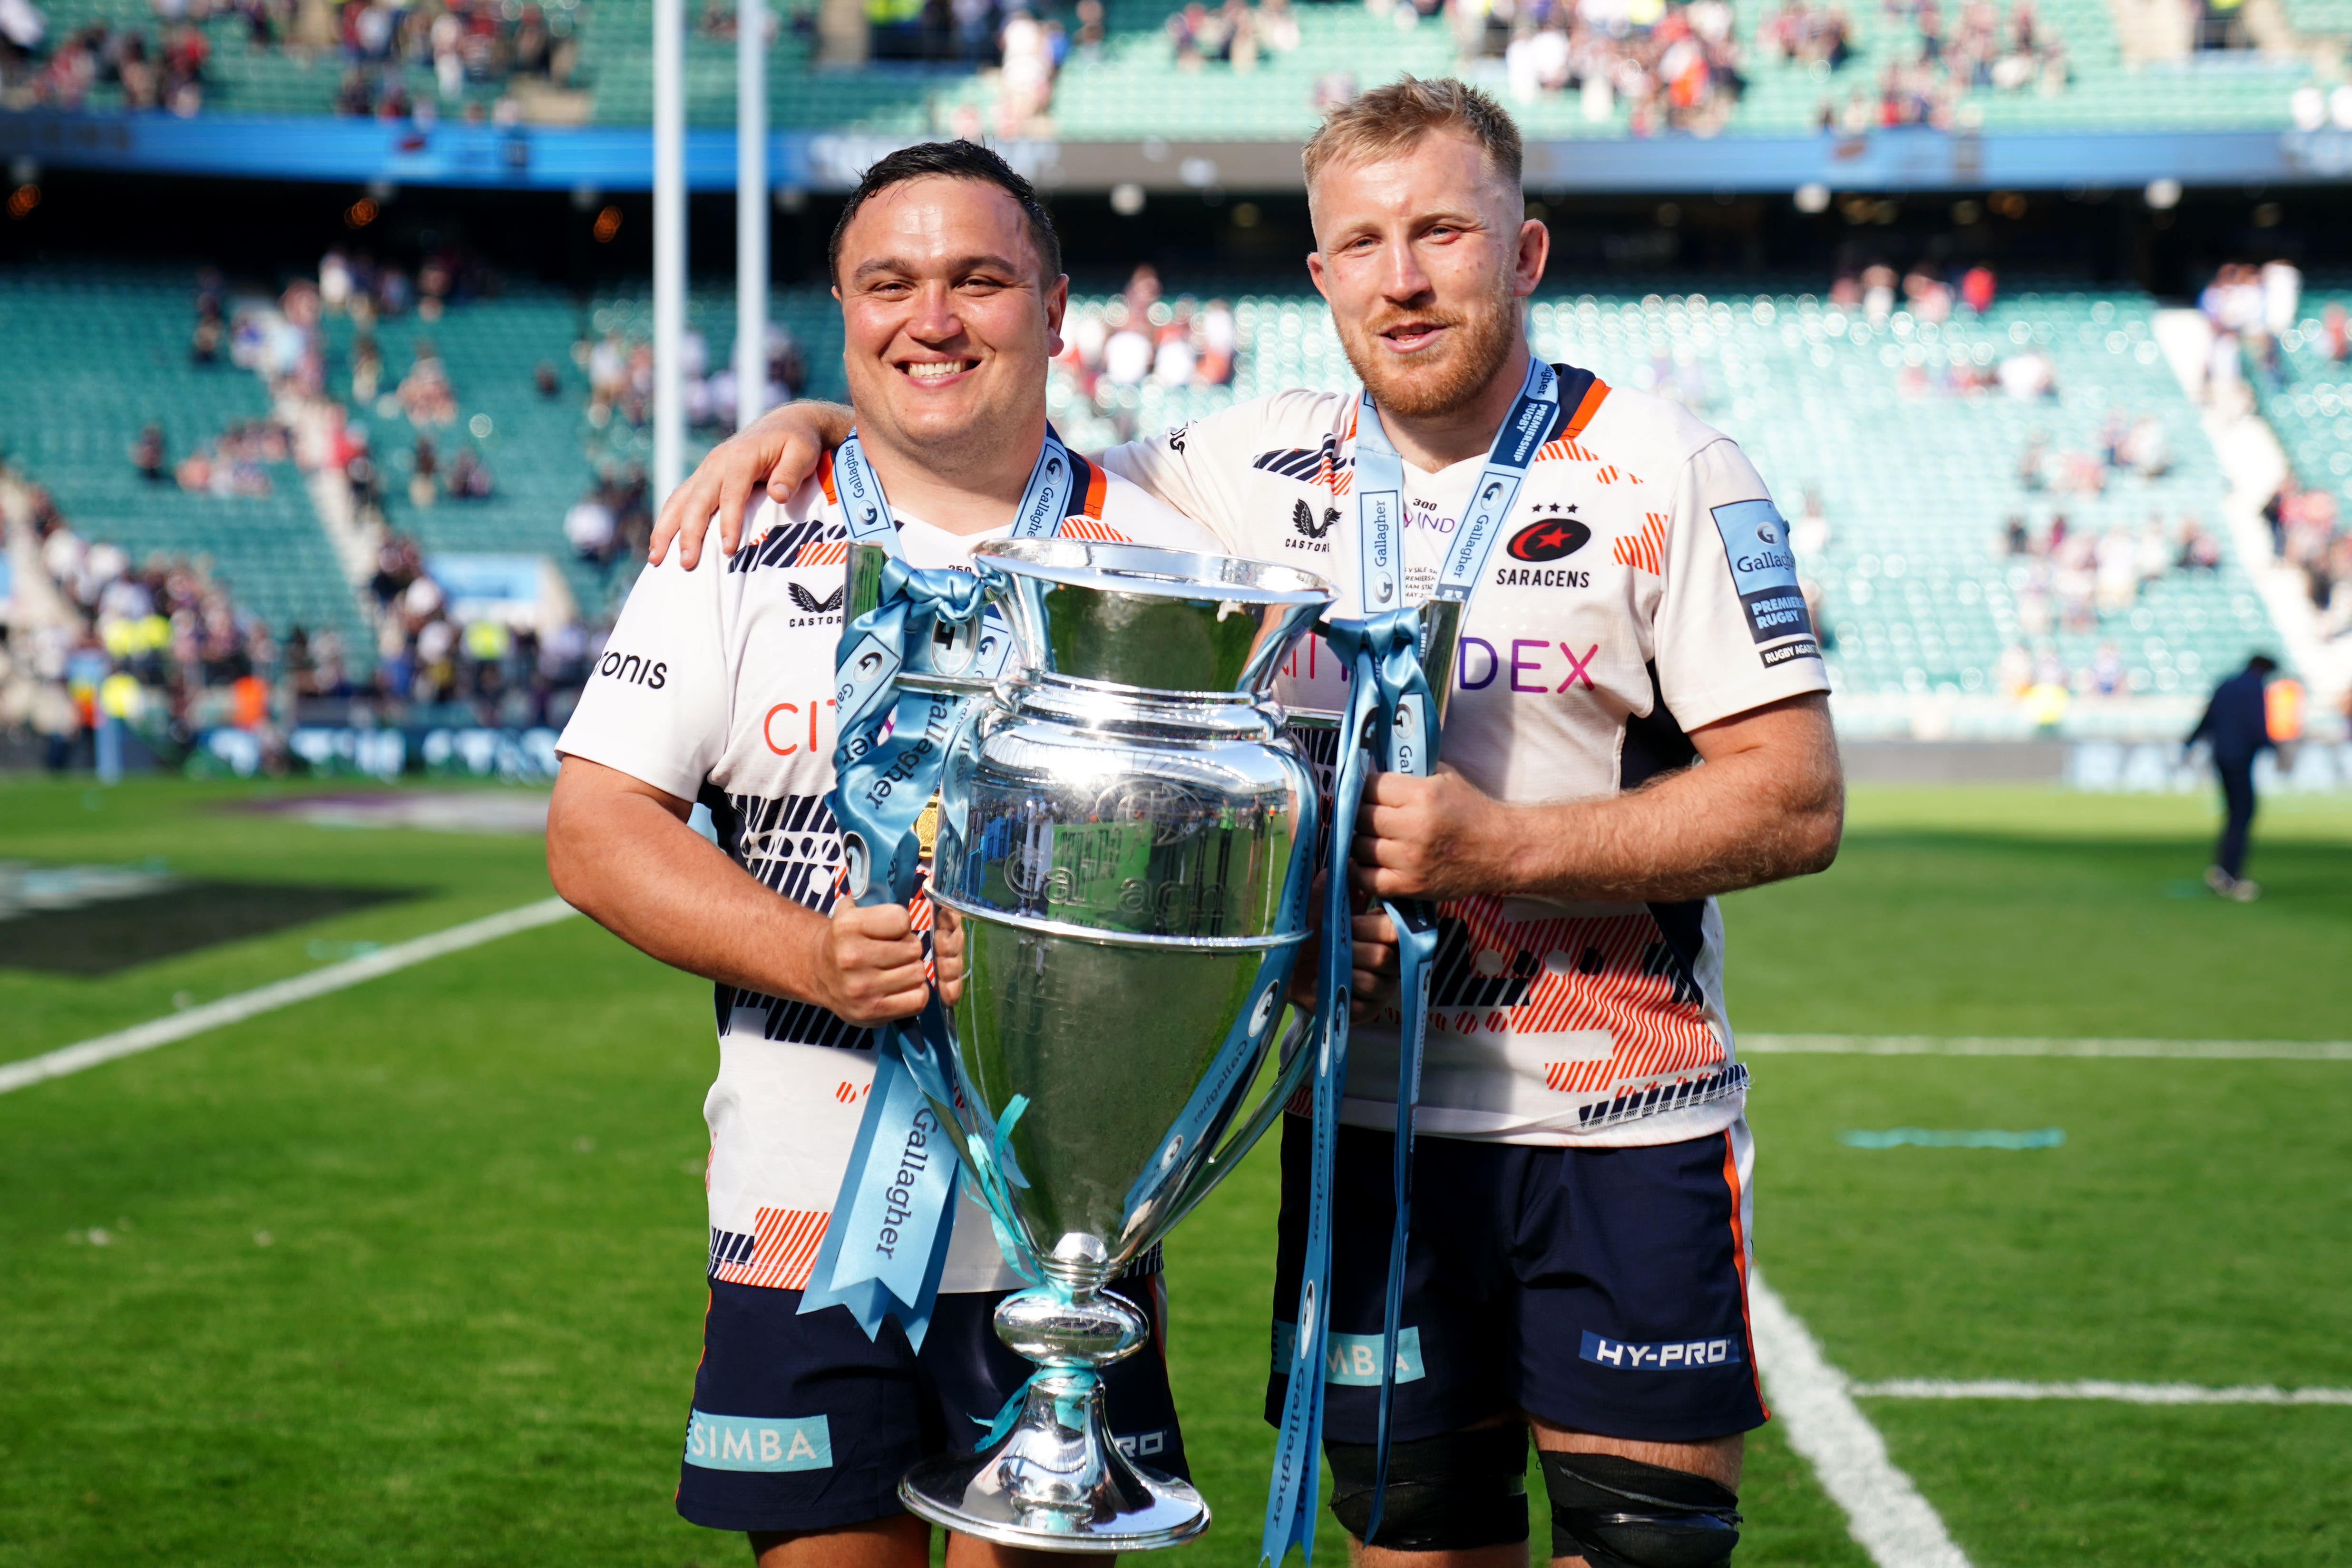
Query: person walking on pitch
(2236,725)
(816,1390)
(1576,1260)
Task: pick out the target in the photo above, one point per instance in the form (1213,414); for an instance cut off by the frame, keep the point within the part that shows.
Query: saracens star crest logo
(1550,540)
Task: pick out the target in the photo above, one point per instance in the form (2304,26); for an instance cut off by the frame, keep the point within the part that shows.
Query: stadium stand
(311,58)
(98,354)
(1139,68)
(1138,81)
(529,443)
(1901,429)
(2304,392)
(1899,444)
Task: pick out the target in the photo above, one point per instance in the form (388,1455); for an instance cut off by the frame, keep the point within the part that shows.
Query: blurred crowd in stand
(160,644)
(1668,67)
(164,69)
(620,370)
(2076,580)
(468,47)
(499,675)
(1976,47)
(2309,532)
(1234,34)
(2251,311)
(2256,314)
(1111,350)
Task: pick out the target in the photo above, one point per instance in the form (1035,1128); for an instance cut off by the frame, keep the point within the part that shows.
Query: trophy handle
(1291,1052)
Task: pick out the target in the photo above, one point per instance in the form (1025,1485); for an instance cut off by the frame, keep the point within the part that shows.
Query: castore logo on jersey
(1302,517)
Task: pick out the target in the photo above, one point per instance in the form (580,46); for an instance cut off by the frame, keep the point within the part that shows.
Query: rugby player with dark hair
(716,687)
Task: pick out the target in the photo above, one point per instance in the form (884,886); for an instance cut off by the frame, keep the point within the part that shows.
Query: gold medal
(926,827)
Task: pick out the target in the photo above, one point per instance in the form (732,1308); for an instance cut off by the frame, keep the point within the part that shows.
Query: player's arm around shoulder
(1143,518)
(1202,469)
(768,460)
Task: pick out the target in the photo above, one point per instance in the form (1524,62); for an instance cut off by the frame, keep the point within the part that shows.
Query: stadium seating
(2311,406)
(1132,91)
(1916,482)
(531,445)
(241,79)
(96,353)
(1916,487)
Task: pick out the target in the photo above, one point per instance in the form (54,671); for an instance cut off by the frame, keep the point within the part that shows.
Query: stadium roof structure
(620,157)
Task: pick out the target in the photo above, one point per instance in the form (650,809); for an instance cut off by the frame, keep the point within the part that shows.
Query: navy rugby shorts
(1599,1289)
(802,1423)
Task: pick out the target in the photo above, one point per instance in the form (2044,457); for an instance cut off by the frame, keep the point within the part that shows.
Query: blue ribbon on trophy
(1391,712)
(887,1242)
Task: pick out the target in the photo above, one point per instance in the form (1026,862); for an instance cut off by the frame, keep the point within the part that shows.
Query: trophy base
(1057,1482)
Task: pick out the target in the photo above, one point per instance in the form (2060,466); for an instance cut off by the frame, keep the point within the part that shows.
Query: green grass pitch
(411,1274)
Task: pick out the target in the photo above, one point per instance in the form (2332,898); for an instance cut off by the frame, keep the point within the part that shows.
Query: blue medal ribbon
(887,1242)
(1390,710)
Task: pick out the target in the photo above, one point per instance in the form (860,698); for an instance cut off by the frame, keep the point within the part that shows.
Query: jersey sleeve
(1732,633)
(657,706)
(1200,469)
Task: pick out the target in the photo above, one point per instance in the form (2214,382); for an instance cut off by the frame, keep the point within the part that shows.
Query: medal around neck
(1126,840)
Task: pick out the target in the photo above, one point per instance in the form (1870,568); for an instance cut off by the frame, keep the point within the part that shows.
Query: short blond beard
(1487,334)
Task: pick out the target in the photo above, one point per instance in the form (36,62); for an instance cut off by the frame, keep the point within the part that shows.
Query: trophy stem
(1056,1480)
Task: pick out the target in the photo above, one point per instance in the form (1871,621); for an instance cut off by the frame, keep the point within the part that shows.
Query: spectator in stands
(424,474)
(426,396)
(206,341)
(147,455)
(1025,84)
(2199,550)
(1977,287)
(2107,676)
(469,477)
(2033,464)
(593,530)
(2236,726)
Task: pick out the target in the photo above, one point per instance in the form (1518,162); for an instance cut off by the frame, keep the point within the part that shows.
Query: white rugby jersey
(1641,587)
(716,686)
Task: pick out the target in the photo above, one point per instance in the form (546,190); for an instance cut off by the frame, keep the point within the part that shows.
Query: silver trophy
(1123,845)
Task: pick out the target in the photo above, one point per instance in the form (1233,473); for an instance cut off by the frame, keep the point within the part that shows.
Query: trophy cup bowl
(1123,845)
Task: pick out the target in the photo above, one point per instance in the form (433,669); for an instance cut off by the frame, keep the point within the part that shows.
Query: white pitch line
(283,993)
(1996,1045)
(2096,1388)
(1885,1511)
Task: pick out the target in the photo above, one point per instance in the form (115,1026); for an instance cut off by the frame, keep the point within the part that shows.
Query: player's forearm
(635,869)
(1693,834)
(833,420)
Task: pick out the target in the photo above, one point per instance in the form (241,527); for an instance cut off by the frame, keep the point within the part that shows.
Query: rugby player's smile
(1411,337)
(945,371)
